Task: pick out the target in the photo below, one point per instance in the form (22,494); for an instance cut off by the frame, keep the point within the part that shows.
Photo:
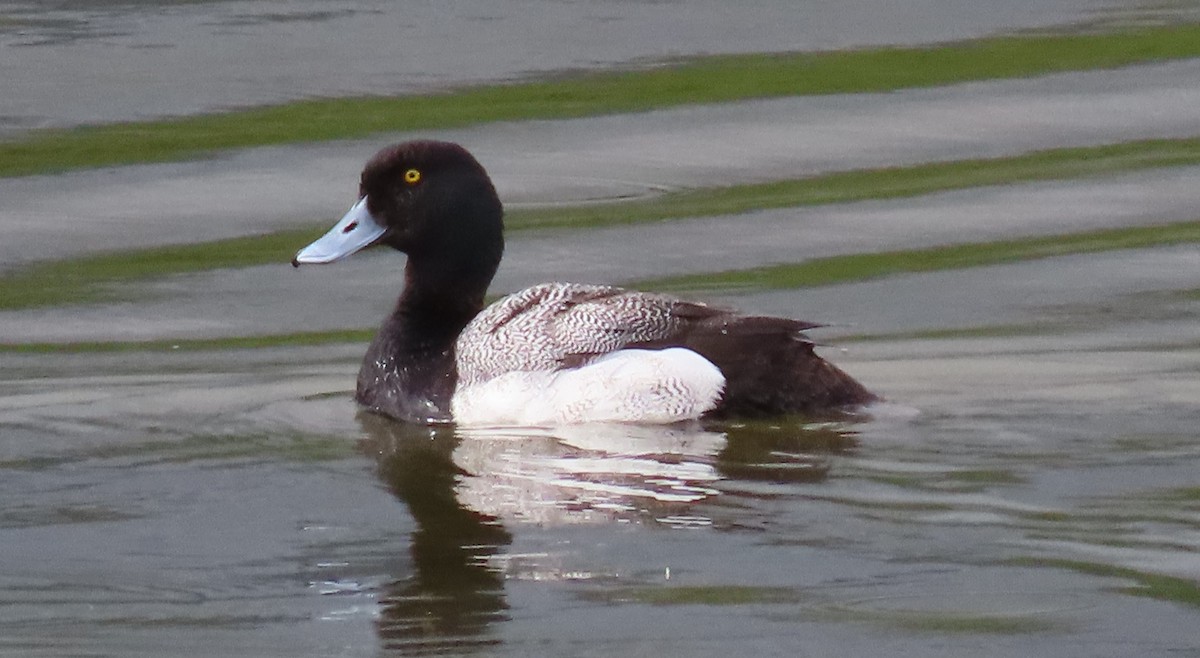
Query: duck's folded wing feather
(555,325)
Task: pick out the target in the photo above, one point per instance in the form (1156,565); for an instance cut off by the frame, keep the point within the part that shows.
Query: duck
(553,353)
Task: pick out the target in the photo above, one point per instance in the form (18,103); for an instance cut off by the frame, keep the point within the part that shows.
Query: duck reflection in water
(468,490)
(454,595)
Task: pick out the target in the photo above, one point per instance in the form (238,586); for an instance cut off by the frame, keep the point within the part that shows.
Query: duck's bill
(356,231)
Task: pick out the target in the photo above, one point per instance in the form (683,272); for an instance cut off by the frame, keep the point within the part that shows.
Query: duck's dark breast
(410,380)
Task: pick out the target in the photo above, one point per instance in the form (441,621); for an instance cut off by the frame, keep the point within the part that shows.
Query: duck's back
(768,364)
(554,326)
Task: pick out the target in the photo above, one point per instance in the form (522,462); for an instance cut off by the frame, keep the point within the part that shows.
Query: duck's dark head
(433,201)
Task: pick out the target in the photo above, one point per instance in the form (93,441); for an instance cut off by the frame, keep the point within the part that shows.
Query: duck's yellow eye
(412,176)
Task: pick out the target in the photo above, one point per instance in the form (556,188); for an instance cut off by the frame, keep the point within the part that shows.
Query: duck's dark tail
(771,368)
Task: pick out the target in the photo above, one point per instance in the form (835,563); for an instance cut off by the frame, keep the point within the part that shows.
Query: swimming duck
(555,353)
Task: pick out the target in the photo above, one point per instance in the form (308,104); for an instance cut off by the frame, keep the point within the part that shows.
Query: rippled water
(1015,495)
(1028,488)
(65,62)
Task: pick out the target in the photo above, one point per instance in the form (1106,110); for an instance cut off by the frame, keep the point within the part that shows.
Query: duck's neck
(440,297)
(409,370)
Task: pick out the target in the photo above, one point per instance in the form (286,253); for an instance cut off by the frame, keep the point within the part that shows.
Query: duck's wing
(557,325)
(694,322)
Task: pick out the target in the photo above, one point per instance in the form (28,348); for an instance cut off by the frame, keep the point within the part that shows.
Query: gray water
(65,62)
(1027,488)
(610,158)
(232,503)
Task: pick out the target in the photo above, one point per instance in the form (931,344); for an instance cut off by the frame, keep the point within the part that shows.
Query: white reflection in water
(585,474)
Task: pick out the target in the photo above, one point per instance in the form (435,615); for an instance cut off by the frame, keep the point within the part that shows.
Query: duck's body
(553,353)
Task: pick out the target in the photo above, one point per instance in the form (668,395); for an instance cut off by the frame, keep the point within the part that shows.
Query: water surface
(1028,487)
(68,62)
(225,503)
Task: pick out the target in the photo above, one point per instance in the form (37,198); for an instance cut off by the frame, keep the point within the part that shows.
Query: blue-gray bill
(355,231)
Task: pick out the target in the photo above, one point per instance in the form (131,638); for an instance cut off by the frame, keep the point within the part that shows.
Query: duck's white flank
(626,386)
